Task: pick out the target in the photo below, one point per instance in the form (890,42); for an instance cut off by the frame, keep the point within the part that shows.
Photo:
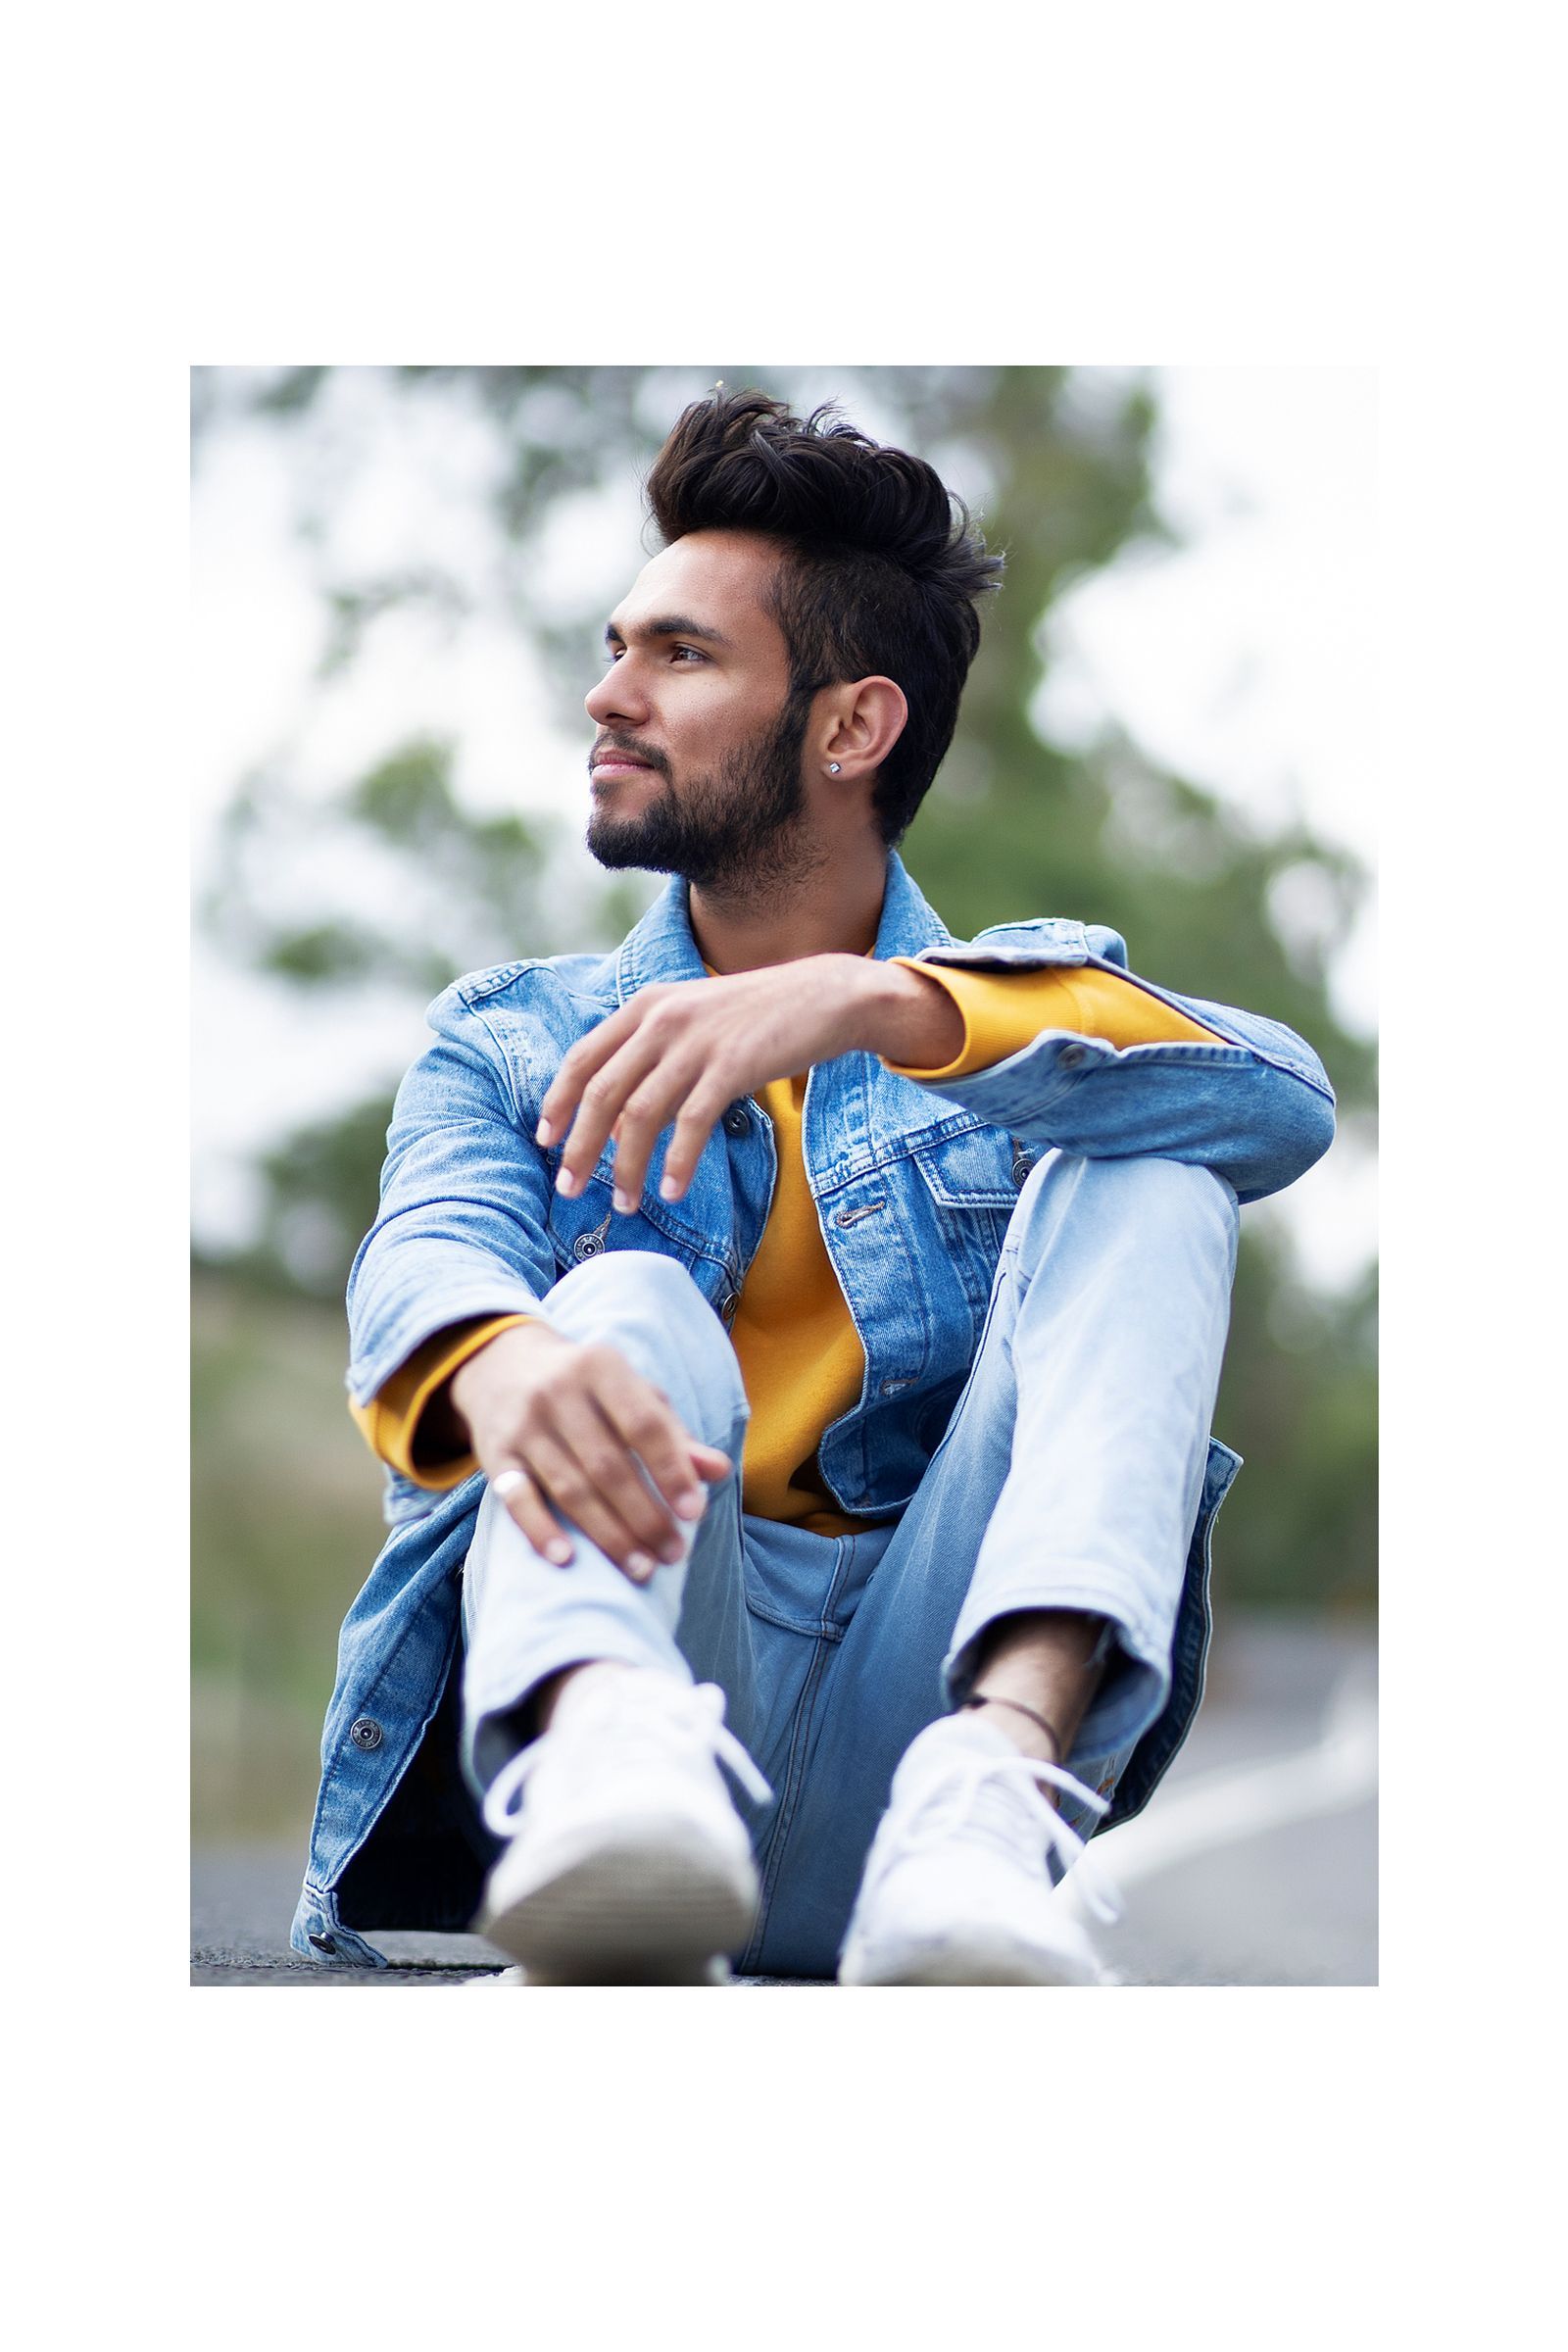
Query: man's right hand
(576,1421)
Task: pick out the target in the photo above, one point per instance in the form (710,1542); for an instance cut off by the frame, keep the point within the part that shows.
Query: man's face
(695,763)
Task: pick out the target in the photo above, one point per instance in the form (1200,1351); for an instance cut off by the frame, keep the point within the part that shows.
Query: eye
(690,650)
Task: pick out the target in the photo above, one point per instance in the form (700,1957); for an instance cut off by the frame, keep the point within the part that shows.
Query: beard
(736,831)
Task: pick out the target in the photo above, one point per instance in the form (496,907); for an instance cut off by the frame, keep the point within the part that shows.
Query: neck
(828,907)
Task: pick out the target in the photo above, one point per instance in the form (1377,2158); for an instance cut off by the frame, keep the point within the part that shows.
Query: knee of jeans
(1160,1191)
(650,1306)
(600,1283)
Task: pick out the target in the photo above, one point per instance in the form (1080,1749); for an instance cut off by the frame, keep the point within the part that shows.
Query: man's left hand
(684,1050)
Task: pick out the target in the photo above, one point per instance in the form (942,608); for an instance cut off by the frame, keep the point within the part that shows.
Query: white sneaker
(955,1890)
(628,1863)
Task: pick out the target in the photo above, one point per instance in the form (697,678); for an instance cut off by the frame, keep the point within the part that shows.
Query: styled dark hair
(880,564)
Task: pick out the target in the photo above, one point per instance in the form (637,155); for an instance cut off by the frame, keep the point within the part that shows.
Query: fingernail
(560,1553)
(544,1133)
(566,1182)
(668,1187)
(624,1202)
(689,1505)
(640,1564)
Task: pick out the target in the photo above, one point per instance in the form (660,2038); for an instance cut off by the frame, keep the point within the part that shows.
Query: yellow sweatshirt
(799,1353)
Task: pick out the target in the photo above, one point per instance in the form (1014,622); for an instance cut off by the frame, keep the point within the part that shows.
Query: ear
(866,720)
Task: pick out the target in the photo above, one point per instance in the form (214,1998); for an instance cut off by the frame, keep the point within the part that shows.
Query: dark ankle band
(986,1698)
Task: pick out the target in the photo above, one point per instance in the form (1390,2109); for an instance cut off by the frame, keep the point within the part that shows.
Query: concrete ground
(1254,1864)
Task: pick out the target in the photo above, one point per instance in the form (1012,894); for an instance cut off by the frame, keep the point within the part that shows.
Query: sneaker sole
(517,1979)
(655,1907)
(995,1962)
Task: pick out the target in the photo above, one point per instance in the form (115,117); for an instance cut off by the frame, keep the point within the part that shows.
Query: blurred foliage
(284,1519)
(447,889)
(389,881)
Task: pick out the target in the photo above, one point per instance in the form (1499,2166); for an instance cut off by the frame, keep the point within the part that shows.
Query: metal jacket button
(1071,1056)
(737,1122)
(591,1244)
(728,1305)
(1020,1171)
(364,1732)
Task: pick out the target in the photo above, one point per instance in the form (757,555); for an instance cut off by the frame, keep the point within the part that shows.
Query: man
(792,1339)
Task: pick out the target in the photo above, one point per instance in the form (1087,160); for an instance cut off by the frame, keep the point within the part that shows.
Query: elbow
(1316,1133)
(1299,1141)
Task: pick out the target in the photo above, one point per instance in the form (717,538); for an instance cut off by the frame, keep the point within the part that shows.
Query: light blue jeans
(1069,1478)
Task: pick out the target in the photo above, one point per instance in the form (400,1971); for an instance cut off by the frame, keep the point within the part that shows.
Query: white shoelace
(644,1725)
(951,1805)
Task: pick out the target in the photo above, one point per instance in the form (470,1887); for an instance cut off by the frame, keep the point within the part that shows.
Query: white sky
(1244,658)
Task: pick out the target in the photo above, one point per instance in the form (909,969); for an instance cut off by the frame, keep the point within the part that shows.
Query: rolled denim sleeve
(1256,1104)
(463,1229)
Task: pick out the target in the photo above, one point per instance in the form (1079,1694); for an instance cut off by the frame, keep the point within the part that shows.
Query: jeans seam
(794,1779)
(795,1768)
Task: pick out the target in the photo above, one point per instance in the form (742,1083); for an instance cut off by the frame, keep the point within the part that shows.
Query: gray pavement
(1256,1863)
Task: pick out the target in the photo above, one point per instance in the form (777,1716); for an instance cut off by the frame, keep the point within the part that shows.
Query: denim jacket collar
(662,945)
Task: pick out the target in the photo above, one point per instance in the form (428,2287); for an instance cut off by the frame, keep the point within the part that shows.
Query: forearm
(906,1016)
(1002,1012)
(1138,1071)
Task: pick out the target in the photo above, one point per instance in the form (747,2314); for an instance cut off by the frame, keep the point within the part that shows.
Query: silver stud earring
(832,767)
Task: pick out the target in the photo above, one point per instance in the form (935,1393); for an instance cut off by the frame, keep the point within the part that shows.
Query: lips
(610,763)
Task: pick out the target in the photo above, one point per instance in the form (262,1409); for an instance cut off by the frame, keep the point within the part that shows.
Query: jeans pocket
(789,1575)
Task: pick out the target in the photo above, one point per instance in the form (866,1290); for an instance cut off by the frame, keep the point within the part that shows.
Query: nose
(617,696)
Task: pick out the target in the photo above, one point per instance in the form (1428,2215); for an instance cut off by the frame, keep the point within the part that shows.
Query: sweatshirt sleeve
(389,1422)
(1004,1011)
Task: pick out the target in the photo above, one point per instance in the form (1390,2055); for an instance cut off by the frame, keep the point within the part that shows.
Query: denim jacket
(909,1177)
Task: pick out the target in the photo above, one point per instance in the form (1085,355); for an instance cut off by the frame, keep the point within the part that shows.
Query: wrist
(472,1378)
(909,1018)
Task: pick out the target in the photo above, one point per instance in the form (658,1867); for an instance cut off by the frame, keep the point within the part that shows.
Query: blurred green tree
(1014,825)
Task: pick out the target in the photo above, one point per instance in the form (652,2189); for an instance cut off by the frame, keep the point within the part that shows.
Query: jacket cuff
(390,1422)
(391,1320)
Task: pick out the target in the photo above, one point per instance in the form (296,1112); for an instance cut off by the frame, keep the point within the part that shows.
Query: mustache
(631,749)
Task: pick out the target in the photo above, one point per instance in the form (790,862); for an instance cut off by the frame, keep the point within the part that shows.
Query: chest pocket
(586,1227)
(974,1179)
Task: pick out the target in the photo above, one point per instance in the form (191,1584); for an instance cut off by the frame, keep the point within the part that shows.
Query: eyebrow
(672,624)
